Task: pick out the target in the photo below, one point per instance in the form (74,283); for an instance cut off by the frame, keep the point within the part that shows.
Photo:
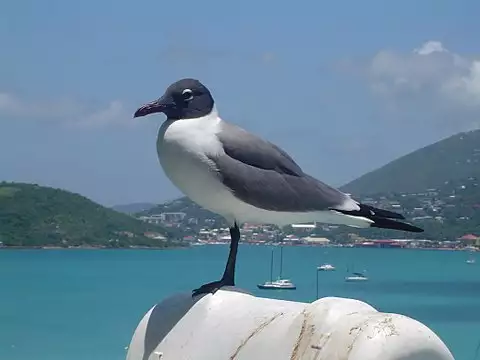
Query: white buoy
(234,325)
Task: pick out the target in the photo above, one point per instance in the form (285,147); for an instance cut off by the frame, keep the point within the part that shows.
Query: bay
(85,304)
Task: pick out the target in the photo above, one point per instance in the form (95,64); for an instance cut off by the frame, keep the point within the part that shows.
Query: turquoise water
(85,304)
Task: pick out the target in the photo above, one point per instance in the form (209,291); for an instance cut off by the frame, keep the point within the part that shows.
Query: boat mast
(281,261)
(271,267)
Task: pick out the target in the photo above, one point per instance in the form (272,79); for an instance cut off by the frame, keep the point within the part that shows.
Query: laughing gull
(231,172)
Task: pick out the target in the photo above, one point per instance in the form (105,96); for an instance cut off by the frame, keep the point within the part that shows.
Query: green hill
(32,215)
(183,204)
(203,218)
(451,159)
(446,213)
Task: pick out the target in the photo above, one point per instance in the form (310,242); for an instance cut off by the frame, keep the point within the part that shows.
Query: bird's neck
(214,109)
(201,127)
(213,114)
(212,118)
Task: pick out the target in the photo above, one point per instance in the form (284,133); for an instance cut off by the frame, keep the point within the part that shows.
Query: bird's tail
(380,218)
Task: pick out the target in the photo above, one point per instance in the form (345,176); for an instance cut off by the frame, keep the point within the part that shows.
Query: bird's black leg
(228,278)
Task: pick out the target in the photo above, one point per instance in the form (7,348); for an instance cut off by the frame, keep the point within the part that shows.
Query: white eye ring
(187,95)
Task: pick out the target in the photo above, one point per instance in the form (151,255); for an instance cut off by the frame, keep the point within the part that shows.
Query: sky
(343,86)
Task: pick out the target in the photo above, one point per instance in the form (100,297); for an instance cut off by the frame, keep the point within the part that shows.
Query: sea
(85,304)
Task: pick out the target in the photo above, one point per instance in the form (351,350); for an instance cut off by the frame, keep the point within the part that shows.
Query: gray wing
(265,176)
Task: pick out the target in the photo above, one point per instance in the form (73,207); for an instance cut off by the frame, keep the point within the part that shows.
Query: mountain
(195,219)
(445,213)
(183,204)
(133,208)
(451,159)
(32,215)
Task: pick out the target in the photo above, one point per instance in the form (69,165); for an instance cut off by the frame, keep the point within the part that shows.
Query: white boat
(326,267)
(471,259)
(279,284)
(356,277)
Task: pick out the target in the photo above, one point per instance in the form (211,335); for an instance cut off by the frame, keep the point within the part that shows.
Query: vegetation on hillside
(445,213)
(451,159)
(133,208)
(32,215)
(203,218)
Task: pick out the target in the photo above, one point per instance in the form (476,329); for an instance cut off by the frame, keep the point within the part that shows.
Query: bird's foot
(212,287)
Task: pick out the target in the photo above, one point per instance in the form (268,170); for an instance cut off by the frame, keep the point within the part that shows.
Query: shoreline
(47,247)
(188,246)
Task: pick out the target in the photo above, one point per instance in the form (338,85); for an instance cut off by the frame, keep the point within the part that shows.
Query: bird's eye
(187,95)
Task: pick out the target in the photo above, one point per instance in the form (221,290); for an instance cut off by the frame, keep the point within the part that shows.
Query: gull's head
(184,99)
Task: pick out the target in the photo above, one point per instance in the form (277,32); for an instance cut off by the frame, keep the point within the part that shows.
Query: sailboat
(471,259)
(280,283)
(356,277)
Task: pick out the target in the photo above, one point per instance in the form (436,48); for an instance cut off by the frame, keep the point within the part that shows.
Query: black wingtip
(384,223)
(371,212)
(382,213)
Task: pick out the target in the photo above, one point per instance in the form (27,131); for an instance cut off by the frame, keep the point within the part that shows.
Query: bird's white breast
(182,148)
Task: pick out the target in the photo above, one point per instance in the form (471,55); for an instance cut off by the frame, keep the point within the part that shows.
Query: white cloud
(430,70)
(430,47)
(65,111)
